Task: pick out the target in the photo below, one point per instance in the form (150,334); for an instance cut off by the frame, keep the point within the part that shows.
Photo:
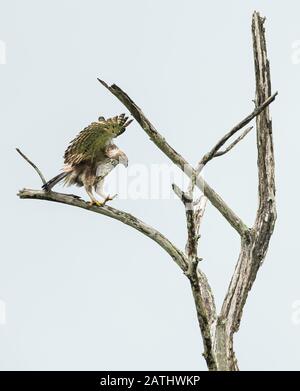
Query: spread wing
(93,139)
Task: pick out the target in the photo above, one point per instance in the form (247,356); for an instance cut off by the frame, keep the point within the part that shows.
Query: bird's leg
(94,201)
(100,191)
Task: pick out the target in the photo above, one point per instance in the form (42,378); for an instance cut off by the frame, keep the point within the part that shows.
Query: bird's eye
(101,119)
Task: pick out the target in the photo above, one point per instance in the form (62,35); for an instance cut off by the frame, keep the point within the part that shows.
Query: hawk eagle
(91,156)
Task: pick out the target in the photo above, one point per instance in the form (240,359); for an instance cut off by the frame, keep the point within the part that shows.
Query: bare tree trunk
(223,346)
(255,242)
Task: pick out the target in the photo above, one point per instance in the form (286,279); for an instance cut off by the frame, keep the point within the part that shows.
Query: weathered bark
(254,244)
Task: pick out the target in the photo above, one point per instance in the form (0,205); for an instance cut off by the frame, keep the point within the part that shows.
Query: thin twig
(214,151)
(210,155)
(204,160)
(33,165)
(233,144)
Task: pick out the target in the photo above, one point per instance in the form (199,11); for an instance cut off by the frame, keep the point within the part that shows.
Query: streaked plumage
(91,156)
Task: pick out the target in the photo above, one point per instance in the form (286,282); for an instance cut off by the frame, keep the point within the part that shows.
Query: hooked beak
(123,160)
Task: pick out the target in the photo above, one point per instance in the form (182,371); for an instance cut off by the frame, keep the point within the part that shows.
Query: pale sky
(79,291)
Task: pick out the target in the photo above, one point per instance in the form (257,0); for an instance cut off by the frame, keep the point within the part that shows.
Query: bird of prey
(91,156)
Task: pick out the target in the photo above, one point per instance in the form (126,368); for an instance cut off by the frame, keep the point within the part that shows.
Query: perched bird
(91,156)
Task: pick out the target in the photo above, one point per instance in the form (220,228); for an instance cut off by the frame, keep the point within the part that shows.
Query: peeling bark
(254,246)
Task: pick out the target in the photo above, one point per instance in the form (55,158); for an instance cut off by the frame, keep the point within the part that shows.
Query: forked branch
(234,143)
(212,153)
(234,220)
(179,161)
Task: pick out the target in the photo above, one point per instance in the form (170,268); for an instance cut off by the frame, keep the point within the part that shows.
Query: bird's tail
(48,186)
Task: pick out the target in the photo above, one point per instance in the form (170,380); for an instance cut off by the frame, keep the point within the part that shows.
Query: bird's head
(113,152)
(123,159)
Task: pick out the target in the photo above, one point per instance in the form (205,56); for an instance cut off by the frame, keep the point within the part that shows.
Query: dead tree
(217,330)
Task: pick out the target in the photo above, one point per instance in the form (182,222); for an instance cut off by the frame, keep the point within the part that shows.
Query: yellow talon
(97,203)
(101,203)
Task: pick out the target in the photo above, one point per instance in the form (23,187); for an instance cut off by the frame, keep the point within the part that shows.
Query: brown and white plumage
(91,156)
